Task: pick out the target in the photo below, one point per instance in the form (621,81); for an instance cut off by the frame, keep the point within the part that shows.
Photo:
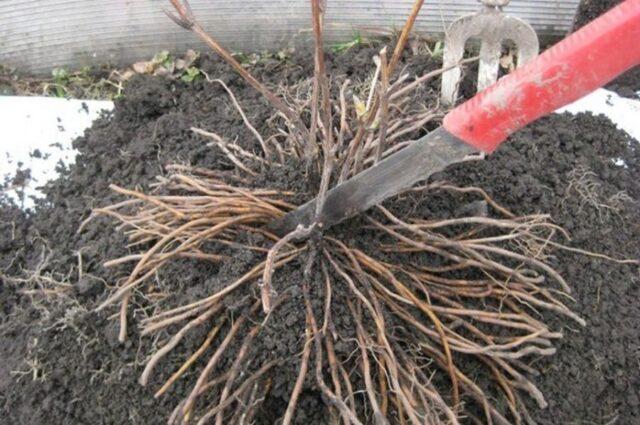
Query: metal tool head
(492,28)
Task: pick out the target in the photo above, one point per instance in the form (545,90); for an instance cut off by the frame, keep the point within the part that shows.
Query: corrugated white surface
(37,35)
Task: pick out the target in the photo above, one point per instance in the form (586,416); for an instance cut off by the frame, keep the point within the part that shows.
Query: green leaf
(190,74)
(161,58)
(340,48)
(60,91)
(438,50)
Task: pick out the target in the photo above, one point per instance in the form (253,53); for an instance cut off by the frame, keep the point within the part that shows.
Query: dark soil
(628,84)
(591,9)
(594,377)
(60,362)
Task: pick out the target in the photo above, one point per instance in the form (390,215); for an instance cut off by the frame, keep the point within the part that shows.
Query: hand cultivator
(493,28)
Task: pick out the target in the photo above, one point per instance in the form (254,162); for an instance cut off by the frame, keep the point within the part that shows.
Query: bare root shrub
(431,304)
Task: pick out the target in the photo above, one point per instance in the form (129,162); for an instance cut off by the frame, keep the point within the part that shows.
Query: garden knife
(577,65)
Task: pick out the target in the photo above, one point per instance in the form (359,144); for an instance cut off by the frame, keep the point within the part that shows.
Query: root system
(419,308)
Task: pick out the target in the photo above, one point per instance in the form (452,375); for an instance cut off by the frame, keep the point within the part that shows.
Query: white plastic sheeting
(38,35)
(37,135)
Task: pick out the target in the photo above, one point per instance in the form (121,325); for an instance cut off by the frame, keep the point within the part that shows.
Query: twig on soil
(224,147)
(265,147)
(227,147)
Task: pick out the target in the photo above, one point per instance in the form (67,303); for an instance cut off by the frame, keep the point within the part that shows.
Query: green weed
(340,48)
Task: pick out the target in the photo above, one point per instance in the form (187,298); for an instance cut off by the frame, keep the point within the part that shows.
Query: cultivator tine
(492,27)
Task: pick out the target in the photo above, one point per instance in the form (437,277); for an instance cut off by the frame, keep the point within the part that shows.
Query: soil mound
(62,363)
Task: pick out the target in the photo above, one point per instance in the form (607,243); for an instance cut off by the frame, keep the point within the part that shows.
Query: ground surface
(628,84)
(61,363)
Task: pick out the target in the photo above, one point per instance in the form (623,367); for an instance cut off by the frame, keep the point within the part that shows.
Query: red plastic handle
(579,64)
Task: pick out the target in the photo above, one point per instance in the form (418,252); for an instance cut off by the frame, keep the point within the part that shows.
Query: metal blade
(389,177)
